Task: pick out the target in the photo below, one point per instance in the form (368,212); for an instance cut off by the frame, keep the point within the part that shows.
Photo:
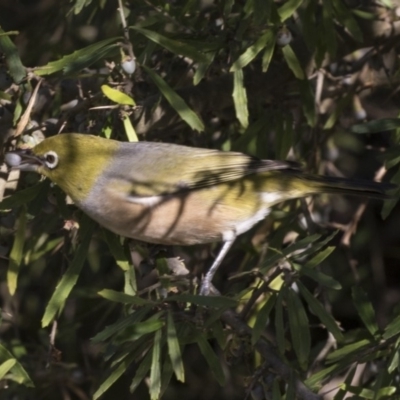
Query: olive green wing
(162,169)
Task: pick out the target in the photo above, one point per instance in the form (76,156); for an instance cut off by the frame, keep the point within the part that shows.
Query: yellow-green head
(72,161)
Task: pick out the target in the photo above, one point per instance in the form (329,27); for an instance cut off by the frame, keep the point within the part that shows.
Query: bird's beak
(23,160)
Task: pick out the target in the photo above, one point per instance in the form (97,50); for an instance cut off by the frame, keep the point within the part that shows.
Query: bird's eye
(51,159)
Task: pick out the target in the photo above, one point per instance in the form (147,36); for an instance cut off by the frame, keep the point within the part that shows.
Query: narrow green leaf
(369,16)
(276,391)
(16,253)
(201,71)
(308,102)
(10,51)
(206,301)
(284,139)
(22,197)
(80,5)
(6,366)
(293,62)
(365,309)
(309,24)
(70,277)
(180,106)
(320,277)
(141,372)
(288,8)
(174,46)
(377,126)
(262,318)
(268,53)
(395,359)
(299,328)
(328,35)
(18,371)
(315,380)
(389,204)
(117,96)
(112,378)
(320,257)
(368,393)
(121,325)
(251,52)
(129,129)
(301,244)
(240,98)
(174,349)
(392,329)
(318,309)
(211,358)
(166,375)
(123,298)
(81,58)
(337,112)
(279,327)
(155,372)
(348,350)
(345,17)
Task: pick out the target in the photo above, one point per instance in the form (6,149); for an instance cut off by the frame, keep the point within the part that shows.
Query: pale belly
(193,217)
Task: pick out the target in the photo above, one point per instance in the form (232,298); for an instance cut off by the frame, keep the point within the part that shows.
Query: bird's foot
(208,289)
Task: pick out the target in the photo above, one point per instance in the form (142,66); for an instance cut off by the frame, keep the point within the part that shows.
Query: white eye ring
(51,159)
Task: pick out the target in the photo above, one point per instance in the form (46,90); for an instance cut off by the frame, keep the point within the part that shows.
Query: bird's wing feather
(166,169)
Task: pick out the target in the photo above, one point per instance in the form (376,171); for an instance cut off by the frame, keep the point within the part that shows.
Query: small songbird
(176,195)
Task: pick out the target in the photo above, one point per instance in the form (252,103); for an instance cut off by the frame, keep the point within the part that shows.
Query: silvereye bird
(171,194)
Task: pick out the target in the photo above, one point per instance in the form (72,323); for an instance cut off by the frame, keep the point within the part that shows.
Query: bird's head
(72,161)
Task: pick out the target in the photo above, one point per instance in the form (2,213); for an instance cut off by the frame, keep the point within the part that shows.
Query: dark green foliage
(309,298)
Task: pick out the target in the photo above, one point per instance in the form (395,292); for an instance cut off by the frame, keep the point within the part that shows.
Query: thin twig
(270,355)
(126,30)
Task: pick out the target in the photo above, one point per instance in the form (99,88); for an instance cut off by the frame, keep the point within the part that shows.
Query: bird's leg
(206,282)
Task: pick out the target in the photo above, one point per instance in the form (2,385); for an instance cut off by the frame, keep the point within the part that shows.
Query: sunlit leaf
(81,58)
(262,318)
(10,51)
(288,8)
(129,129)
(240,98)
(6,366)
(293,62)
(251,52)
(117,96)
(16,252)
(174,349)
(155,370)
(18,371)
